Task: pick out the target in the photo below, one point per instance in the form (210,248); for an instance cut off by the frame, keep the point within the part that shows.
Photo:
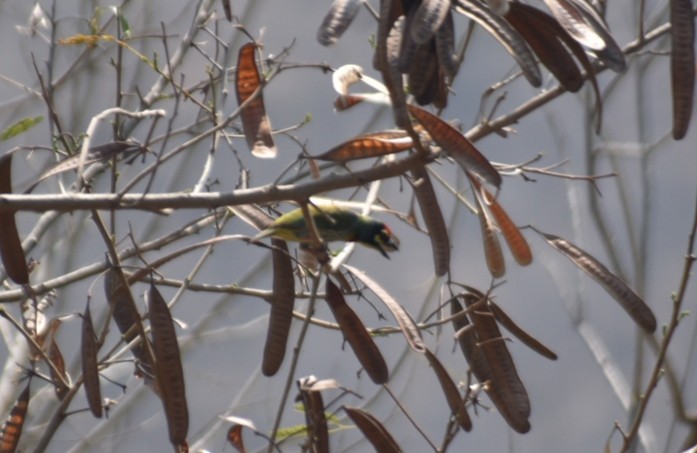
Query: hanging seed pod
(356,335)
(11,430)
(406,324)
(525,338)
(433,218)
(317,429)
(452,394)
(281,314)
(619,290)
(337,20)
(682,64)
(11,251)
(370,145)
(373,430)
(492,246)
(256,124)
(90,370)
(168,368)
(428,18)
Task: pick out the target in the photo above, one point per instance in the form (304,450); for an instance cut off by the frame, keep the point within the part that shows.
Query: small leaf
(90,371)
(369,145)
(20,127)
(168,371)
(256,124)
(406,324)
(337,20)
(373,430)
(452,394)
(356,335)
(619,290)
(11,250)
(682,64)
(11,430)
(457,146)
(281,314)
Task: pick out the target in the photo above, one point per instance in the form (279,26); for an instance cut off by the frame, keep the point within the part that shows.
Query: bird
(333,224)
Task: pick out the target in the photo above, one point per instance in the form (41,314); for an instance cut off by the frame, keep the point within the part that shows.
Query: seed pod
(373,430)
(337,20)
(90,371)
(168,368)
(11,430)
(11,251)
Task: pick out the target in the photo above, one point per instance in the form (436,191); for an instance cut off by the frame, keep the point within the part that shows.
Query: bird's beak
(386,242)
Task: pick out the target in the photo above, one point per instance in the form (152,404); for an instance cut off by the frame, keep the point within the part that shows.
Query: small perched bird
(333,224)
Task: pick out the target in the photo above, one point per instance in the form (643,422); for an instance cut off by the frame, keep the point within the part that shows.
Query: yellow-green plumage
(333,224)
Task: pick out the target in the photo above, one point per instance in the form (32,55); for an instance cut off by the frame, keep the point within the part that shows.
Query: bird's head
(378,236)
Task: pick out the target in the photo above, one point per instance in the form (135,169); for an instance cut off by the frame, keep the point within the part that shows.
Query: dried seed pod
(393,76)
(59,376)
(506,35)
(228,10)
(317,429)
(127,318)
(373,430)
(507,391)
(337,20)
(445,46)
(457,146)
(281,314)
(168,368)
(256,124)
(11,430)
(452,394)
(492,246)
(370,145)
(585,25)
(406,324)
(90,370)
(357,335)
(433,218)
(234,436)
(428,18)
(520,334)
(11,251)
(682,64)
(619,290)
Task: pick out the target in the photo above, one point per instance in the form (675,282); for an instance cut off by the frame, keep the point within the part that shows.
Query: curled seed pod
(357,335)
(256,124)
(337,20)
(11,251)
(373,430)
(281,314)
(11,430)
(90,370)
(168,368)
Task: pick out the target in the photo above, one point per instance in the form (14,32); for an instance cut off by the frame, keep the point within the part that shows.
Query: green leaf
(20,127)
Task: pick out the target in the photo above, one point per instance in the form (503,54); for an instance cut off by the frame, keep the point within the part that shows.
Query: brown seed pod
(457,146)
(356,335)
(618,289)
(452,394)
(281,314)
(509,38)
(682,64)
(519,333)
(11,251)
(168,368)
(256,124)
(406,324)
(317,429)
(373,430)
(492,246)
(505,388)
(428,18)
(370,145)
(337,20)
(90,370)
(433,218)
(11,430)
